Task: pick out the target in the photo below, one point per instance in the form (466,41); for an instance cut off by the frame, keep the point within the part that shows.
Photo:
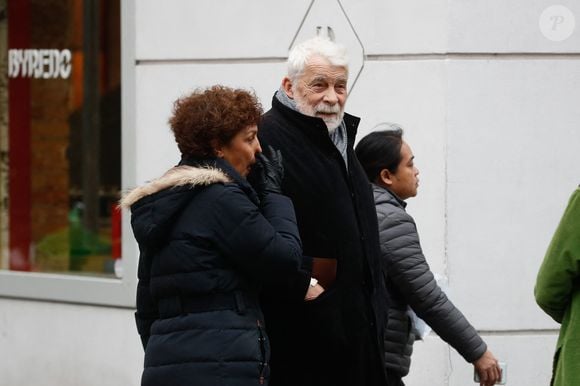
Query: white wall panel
(399,27)
(412,93)
(509,26)
(514,135)
(528,358)
(159,86)
(202,29)
(53,344)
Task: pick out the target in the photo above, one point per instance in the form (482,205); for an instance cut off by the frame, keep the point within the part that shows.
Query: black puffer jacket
(206,246)
(411,283)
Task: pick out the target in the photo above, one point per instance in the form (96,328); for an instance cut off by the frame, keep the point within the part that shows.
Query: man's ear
(386,177)
(287,86)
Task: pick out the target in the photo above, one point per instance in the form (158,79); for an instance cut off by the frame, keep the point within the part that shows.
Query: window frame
(72,288)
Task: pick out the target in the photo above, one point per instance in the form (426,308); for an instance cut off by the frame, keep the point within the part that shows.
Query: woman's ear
(218,149)
(385,178)
(287,86)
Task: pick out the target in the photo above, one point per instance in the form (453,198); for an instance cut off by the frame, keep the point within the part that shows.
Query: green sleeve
(560,269)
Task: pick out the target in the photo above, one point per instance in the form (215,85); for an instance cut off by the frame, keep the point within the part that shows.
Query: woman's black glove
(270,172)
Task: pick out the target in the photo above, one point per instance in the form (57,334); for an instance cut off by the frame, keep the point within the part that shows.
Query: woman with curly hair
(208,241)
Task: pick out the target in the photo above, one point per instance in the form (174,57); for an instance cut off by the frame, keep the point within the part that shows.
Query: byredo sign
(45,64)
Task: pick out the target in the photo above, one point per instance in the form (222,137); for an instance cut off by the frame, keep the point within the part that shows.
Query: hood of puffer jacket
(155,205)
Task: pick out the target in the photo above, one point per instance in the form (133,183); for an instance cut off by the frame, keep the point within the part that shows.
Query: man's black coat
(334,339)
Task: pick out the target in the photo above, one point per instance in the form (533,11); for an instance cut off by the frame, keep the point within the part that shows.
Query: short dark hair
(210,117)
(380,150)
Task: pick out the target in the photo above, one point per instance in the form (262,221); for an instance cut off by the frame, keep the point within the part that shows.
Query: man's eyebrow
(319,78)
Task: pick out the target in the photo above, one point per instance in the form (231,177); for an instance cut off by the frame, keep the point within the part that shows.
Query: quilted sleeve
(407,268)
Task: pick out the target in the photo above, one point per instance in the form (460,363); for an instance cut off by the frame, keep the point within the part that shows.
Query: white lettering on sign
(45,64)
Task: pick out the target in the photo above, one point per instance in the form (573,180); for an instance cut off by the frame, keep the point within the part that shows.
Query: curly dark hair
(211,117)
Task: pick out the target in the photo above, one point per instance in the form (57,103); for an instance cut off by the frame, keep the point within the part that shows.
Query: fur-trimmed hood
(182,175)
(156,205)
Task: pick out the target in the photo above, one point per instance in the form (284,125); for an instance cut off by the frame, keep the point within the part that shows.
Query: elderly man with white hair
(324,323)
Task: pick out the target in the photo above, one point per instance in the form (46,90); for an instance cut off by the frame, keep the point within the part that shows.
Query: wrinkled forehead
(320,67)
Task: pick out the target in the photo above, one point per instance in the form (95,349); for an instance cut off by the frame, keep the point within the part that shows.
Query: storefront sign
(45,64)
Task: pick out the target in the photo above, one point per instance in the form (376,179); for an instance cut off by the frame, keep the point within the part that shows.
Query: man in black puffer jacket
(388,162)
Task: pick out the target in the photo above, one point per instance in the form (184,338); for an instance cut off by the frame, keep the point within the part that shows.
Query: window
(60,146)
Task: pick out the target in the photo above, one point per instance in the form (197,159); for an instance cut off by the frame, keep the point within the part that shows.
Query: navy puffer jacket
(206,246)
(411,283)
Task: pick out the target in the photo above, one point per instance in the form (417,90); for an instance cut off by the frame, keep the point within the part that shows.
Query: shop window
(60,136)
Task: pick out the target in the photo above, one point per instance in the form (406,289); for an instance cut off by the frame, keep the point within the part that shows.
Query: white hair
(323,47)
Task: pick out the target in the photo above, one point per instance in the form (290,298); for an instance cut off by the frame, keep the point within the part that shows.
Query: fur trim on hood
(174,177)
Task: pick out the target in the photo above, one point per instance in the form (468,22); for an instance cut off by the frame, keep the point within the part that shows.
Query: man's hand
(488,369)
(313,292)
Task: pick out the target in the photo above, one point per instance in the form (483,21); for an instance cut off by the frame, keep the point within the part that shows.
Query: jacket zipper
(262,343)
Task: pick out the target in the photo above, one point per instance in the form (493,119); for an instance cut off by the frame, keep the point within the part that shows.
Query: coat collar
(228,169)
(383,194)
(314,127)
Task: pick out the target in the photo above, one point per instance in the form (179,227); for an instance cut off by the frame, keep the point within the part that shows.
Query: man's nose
(258,147)
(330,96)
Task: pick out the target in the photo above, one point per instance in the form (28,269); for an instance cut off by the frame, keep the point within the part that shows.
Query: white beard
(332,122)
